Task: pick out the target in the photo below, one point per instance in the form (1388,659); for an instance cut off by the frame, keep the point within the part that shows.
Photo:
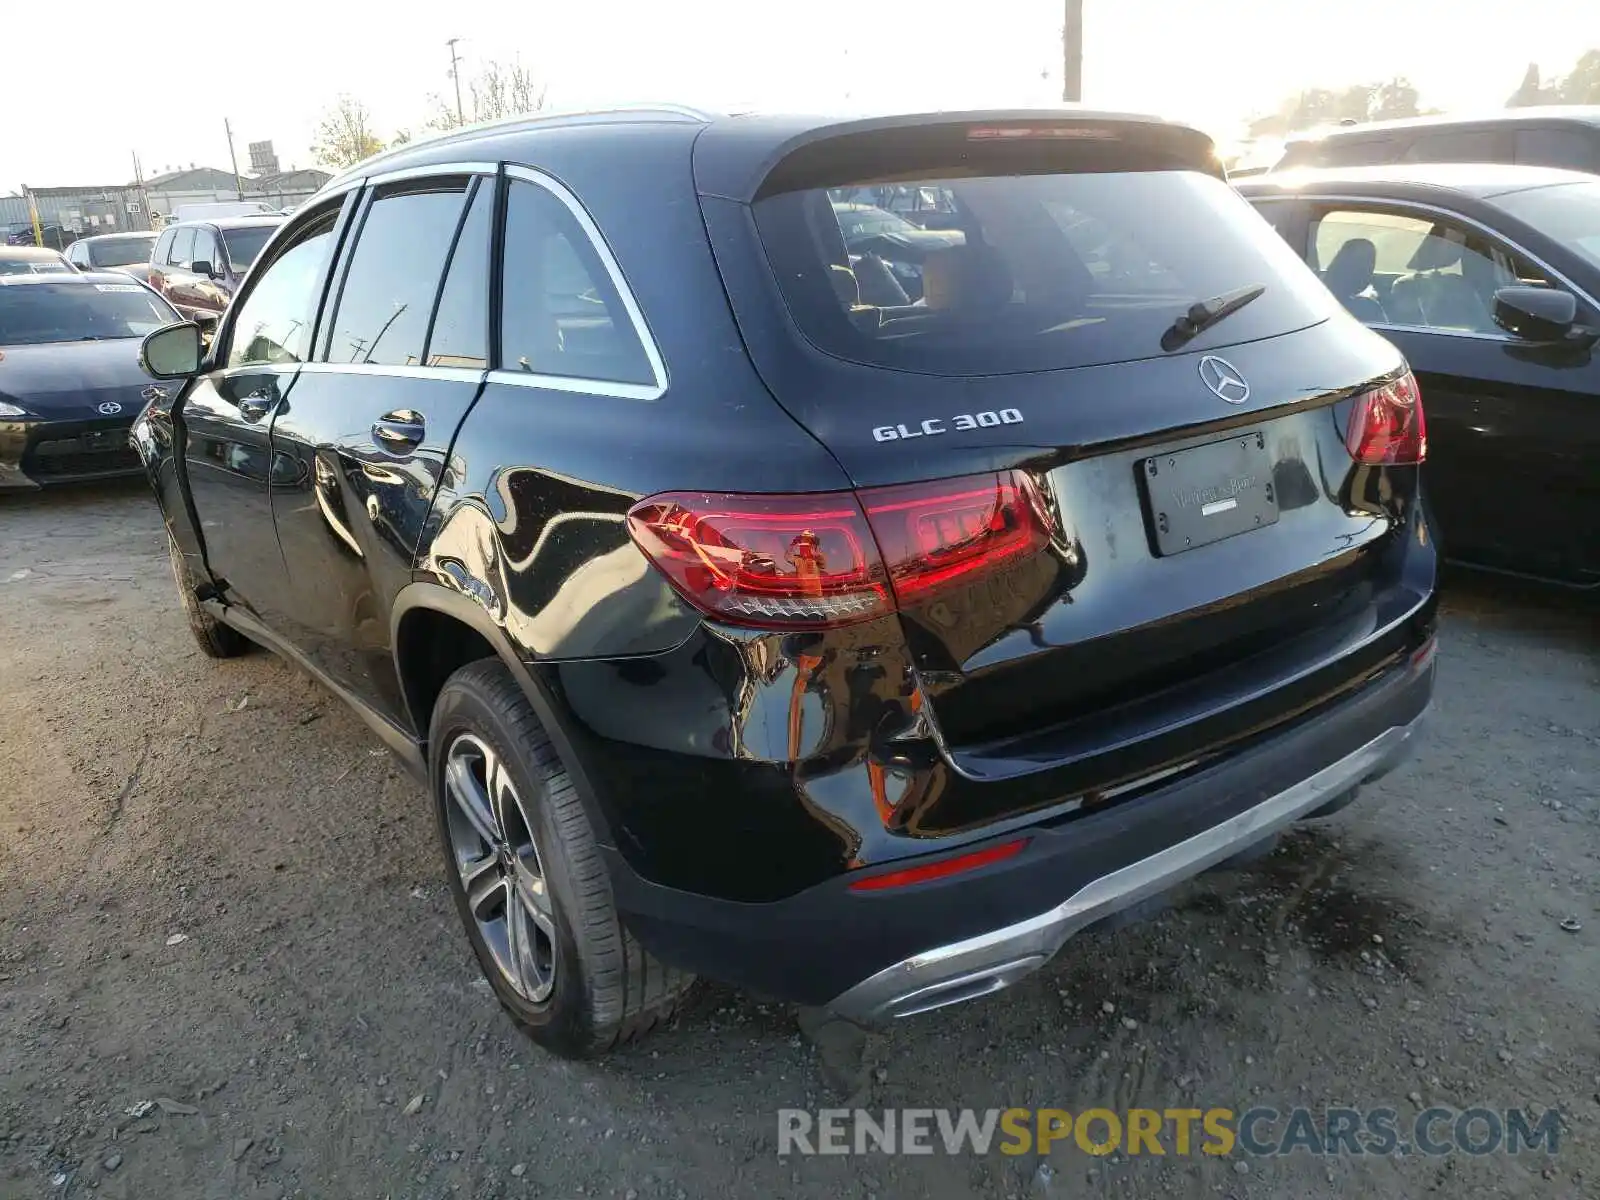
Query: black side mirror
(1535,314)
(201,266)
(172,352)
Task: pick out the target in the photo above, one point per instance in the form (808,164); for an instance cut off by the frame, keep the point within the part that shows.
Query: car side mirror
(1535,314)
(201,266)
(172,352)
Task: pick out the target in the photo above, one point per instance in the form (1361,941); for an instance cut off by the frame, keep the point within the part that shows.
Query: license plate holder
(1207,493)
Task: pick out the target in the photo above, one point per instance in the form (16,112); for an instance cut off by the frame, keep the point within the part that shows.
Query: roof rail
(538,117)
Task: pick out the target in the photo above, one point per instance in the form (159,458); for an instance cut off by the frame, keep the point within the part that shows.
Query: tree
(1321,106)
(498,90)
(1397,98)
(1531,91)
(1583,85)
(344,135)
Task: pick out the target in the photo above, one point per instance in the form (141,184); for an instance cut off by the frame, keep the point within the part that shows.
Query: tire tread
(630,992)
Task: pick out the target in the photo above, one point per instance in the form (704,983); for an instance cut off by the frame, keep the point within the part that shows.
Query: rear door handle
(255,406)
(400,430)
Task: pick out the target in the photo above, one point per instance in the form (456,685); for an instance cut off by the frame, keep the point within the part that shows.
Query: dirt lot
(320,983)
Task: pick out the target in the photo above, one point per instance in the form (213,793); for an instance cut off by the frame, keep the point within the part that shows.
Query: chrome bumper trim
(990,961)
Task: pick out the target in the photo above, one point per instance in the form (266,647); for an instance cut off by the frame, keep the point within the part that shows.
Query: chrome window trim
(397,370)
(573,383)
(1477,335)
(641,329)
(442,169)
(1450,214)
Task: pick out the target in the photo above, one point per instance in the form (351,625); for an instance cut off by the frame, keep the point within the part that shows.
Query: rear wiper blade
(1206,313)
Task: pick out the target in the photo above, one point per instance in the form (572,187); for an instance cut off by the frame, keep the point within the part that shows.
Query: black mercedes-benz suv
(750,617)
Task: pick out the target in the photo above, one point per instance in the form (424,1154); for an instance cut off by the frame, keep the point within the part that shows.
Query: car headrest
(1436,253)
(1352,267)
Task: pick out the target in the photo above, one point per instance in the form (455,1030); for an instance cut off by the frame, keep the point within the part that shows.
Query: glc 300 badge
(934,426)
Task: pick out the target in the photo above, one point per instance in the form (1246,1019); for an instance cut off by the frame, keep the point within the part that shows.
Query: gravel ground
(220,895)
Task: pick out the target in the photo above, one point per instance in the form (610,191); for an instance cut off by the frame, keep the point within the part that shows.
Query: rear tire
(211,635)
(525,870)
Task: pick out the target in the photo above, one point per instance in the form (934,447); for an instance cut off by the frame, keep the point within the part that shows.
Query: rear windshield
(121,251)
(1009,273)
(245,243)
(33,266)
(39,313)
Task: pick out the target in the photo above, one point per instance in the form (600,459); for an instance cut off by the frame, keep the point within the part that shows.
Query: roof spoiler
(953,145)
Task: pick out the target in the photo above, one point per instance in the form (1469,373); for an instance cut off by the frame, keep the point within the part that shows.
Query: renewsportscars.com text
(1259,1131)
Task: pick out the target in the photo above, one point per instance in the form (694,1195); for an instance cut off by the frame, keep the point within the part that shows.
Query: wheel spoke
(528,886)
(530,976)
(485,885)
(471,798)
(502,796)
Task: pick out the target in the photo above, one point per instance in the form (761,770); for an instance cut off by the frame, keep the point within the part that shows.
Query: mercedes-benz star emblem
(1219,375)
(109,409)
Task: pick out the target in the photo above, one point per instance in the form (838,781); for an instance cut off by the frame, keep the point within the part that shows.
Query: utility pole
(144,198)
(455,73)
(238,186)
(1072,53)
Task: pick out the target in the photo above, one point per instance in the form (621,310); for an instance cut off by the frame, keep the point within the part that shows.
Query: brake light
(1387,426)
(826,559)
(942,869)
(935,534)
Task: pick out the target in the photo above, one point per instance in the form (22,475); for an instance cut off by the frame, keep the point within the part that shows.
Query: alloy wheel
(497,858)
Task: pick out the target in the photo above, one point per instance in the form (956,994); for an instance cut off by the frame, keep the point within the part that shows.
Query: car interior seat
(1350,275)
(1441,297)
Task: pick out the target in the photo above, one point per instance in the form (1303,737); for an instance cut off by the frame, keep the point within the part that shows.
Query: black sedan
(1488,280)
(70,382)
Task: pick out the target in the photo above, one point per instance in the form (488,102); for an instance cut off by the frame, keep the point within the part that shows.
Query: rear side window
(1569,148)
(1033,272)
(163,244)
(560,313)
(393,276)
(460,336)
(1460,145)
(1357,152)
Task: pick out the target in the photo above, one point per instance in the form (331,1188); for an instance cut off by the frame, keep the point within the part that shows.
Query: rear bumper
(976,966)
(888,953)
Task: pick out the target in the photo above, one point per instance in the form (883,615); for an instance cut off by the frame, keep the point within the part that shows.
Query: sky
(274,68)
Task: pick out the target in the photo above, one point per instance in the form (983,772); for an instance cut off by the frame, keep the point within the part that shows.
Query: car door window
(1395,268)
(205,248)
(460,335)
(393,275)
(162,246)
(561,314)
(179,253)
(1459,145)
(275,316)
(78,254)
(1569,148)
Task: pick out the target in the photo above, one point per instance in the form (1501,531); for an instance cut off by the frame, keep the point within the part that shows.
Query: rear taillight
(1387,427)
(936,534)
(821,560)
